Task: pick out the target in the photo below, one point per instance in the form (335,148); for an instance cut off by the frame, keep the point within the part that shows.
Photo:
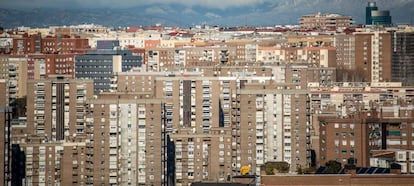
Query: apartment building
(14,71)
(100,65)
(160,59)
(80,29)
(345,57)
(280,115)
(53,162)
(6,44)
(230,114)
(62,44)
(341,139)
(373,56)
(25,44)
(55,106)
(198,118)
(152,43)
(302,74)
(5,143)
(42,65)
(126,141)
(293,40)
(402,55)
(356,119)
(218,54)
(137,39)
(55,131)
(19,68)
(245,50)
(319,56)
(326,21)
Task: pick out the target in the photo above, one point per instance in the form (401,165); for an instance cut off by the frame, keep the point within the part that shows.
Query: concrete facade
(373,56)
(55,138)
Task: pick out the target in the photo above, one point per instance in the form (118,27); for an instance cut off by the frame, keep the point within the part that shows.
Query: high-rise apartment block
(402,57)
(5,142)
(14,71)
(373,56)
(52,108)
(169,106)
(125,141)
(246,114)
(54,144)
(355,120)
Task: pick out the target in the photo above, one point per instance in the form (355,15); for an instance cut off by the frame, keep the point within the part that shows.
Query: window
(401,156)
(287,144)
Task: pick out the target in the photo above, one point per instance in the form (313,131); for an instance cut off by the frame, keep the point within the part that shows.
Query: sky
(238,12)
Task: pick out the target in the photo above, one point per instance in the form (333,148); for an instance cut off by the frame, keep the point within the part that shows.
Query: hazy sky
(213,4)
(231,11)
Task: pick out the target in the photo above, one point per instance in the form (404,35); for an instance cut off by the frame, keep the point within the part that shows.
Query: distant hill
(50,17)
(267,13)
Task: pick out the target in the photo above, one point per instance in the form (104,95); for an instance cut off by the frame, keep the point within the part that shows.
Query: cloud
(290,5)
(244,12)
(155,10)
(212,15)
(215,4)
(189,11)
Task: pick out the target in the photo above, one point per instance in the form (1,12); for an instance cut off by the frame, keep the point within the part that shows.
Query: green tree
(333,166)
(282,167)
(269,169)
(309,170)
(299,170)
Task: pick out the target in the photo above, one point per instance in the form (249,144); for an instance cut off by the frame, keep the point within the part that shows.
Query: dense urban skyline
(91,103)
(187,13)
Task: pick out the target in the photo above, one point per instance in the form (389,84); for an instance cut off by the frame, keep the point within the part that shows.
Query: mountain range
(257,13)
